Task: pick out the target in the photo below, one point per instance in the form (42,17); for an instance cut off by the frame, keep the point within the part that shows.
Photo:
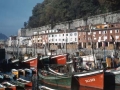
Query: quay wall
(98,19)
(98,52)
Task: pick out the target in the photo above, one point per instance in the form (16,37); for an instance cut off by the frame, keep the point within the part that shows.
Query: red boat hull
(59,59)
(28,84)
(92,79)
(87,88)
(12,88)
(96,81)
(28,88)
(31,62)
(2,88)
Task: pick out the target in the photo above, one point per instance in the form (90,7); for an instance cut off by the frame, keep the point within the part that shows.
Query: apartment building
(56,39)
(98,36)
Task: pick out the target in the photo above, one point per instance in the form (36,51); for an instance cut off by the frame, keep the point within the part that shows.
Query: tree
(25,24)
(55,11)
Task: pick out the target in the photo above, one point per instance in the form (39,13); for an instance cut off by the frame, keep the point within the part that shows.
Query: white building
(64,37)
(12,41)
(24,41)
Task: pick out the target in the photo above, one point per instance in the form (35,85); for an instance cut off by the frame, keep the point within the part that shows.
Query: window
(75,39)
(105,37)
(112,25)
(67,39)
(66,34)
(99,38)
(105,32)
(117,37)
(88,33)
(116,31)
(110,37)
(99,32)
(94,32)
(110,31)
(70,34)
(75,34)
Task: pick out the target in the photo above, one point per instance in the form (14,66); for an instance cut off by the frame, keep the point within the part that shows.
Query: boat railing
(55,72)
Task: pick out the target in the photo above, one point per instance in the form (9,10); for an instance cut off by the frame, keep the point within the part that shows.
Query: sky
(13,14)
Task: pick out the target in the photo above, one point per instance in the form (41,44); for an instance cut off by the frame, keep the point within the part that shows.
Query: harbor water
(84,88)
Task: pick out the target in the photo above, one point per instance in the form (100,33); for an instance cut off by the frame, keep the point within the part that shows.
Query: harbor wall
(100,53)
(98,19)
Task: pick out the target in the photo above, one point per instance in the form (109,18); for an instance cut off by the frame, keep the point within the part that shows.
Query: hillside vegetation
(55,11)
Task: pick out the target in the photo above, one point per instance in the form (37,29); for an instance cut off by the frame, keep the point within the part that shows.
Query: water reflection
(89,88)
(84,88)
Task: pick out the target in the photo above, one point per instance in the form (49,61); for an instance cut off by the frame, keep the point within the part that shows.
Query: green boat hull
(18,84)
(56,80)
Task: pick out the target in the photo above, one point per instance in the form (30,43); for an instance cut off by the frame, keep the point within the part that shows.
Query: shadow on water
(107,88)
(84,88)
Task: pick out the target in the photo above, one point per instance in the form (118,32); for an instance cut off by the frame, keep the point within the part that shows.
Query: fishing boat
(9,85)
(2,87)
(56,59)
(117,75)
(112,67)
(25,74)
(31,62)
(53,78)
(92,78)
(46,88)
(56,80)
(25,82)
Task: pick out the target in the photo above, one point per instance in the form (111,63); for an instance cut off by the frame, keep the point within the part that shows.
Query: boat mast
(92,50)
(18,49)
(114,43)
(66,40)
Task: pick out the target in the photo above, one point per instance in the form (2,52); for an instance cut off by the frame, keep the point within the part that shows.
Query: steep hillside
(3,37)
(55,11)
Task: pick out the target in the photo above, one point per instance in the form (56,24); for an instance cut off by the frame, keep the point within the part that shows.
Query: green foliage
(55,11)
